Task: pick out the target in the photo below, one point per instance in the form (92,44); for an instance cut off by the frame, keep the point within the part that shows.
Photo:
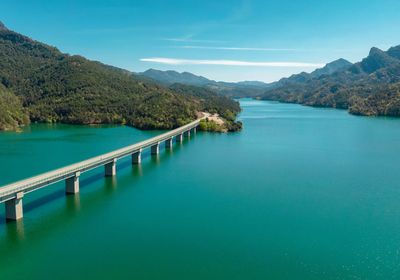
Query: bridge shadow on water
(15,229)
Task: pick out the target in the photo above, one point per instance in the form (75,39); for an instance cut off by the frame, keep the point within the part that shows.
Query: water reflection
(73,203)
(110,183)
(15,231)
(137,170)
(169,151)
(155,159)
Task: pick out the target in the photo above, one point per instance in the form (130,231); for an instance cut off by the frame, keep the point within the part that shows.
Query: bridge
(12,194)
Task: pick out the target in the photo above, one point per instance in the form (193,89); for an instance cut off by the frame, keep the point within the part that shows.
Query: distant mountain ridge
(239,89)
(173,77)
(369,87)
(243,88)
(329,68)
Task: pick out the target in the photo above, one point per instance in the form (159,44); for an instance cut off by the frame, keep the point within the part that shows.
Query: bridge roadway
(12,194)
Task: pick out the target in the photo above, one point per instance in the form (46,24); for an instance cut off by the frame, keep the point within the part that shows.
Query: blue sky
(222,40)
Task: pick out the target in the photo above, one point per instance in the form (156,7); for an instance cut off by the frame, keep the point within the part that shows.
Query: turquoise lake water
(300,193)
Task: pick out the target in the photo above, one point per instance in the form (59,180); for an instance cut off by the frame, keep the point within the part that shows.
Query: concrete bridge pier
(168,143)
(194,130)
(187,133)
(179,138)
(111,168)
(14,210)
(155,149)
(72,184)
(137,157)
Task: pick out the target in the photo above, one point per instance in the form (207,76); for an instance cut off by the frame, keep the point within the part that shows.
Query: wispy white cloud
(189,40)
(175,61)
(237,48)
(264,49)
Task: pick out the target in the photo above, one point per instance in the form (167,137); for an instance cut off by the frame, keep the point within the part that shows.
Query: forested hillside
(370,87)
(12,114)
(57,87)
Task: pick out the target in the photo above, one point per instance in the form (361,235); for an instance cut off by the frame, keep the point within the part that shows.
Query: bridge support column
(194,130)
(155,149)
(187,133)
(168,143)
(72,184)
(111,168)
(179,138)
(14,209)
(137,157)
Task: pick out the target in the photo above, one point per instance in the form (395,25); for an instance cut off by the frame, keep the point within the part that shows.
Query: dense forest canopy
(49,86)
(12,114)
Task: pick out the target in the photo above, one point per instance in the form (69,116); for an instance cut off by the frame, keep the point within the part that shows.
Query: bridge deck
(10,191)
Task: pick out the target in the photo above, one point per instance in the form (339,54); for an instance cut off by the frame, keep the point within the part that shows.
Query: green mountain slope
(12,114)
(328,69)
(56,87)
(370,87)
